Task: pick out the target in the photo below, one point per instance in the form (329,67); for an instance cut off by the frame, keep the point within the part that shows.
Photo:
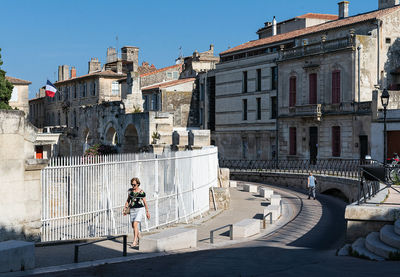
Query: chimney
(212,48)
(73,72)
(274,31)
(383,4)
(343,9)
(63,72)
(94,65)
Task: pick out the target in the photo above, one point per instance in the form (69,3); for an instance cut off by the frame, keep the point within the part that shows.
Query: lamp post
(385,102)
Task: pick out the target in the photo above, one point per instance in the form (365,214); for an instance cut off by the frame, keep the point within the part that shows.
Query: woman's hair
(309,173)
(135,179)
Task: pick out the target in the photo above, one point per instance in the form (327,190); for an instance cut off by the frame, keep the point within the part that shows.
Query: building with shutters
(324,76)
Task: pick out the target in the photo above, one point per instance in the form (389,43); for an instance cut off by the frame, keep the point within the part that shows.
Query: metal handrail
(124,247)
(270,219)
(230,232)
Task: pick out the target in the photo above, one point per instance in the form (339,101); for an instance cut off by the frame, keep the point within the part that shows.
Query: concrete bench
(246,228)
(266,192)
(232,184)
(275,200)
(250,188)
(16,255)
(171,239)
(275,210)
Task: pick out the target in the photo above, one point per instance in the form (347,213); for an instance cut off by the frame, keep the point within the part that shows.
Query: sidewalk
(243,205)
(393,199)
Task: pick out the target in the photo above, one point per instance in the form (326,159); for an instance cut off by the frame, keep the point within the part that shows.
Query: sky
(39,35)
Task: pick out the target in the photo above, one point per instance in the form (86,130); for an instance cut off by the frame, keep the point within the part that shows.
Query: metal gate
(83,196)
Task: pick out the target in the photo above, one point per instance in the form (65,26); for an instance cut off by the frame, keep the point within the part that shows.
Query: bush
(100,149)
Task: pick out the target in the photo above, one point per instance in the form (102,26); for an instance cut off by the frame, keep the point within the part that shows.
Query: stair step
(389,237)
(358,249)
(376,246)
(397,227)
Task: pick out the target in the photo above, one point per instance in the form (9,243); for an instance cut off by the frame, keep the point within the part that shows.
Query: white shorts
(137,214)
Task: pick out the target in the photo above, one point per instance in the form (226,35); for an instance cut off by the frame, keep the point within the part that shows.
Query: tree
(6,89)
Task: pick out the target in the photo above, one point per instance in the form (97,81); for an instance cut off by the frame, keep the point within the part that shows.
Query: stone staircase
(379,246)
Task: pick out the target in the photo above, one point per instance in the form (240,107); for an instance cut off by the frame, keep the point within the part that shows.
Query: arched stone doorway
(131,140)
(111,136)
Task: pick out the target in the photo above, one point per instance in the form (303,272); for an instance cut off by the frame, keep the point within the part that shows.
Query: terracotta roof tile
(169,84)
(107,73)
(16,81)
(313,29)
(161,69)
(319,16)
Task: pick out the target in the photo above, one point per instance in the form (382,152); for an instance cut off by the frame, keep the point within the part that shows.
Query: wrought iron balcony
(323,46)
(313,110)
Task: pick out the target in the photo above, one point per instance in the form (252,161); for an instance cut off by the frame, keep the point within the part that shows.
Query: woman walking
(137,202)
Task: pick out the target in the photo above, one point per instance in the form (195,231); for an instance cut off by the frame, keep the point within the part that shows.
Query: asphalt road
(306,246)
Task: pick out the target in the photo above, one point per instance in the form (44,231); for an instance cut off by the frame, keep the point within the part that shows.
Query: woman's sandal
(134,244)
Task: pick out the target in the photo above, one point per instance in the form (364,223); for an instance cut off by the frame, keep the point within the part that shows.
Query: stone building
(317,79)
(37,109)
(19,96)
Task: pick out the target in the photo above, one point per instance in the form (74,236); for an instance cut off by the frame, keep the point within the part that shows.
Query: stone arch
(111,136)
(131,139)
(337,193)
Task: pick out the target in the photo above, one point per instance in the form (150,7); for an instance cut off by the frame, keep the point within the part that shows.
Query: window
(274,75)
(244,109)
(14,95)
(258,108)
(292,91)
(336,141)
(169,75)
(202,92)
(258,148)
(292,141)
(273,107)
(75,118)
(66,96)
(175,74)
(154,102)
(201,116)
(258,79)
(58,119)
(388,40)
(74,91)
(313,88)
(146,103)
(244,148)
(93,88)
(83,90)
(115,88)
(244,81)
(336,87)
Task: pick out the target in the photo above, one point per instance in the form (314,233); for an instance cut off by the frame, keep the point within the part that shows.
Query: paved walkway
(243,205)
(393,199)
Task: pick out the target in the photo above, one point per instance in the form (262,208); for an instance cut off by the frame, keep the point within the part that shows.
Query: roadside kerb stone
(275,200)
(16,255)
(250,188)
(246,228)
(266,192)
(275,210)
(168,240)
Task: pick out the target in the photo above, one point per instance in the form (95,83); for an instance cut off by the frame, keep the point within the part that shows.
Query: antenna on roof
(116,38)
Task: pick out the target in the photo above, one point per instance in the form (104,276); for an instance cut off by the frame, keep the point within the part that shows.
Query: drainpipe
(378,35)
(359,74)
(277,114)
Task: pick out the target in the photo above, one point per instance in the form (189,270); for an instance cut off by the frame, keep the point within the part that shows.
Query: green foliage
(5,89)
(137,109)
(100,149)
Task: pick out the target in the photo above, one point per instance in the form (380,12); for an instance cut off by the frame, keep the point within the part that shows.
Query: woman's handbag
(126,210)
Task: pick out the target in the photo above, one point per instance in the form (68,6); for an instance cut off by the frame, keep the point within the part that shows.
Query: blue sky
(37,36)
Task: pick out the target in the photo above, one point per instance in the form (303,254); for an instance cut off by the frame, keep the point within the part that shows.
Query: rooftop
(169,84)
(313,29)
(161,69)
(107,73)
(16,81)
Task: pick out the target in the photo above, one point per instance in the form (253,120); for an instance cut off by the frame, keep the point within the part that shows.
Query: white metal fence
(83,197)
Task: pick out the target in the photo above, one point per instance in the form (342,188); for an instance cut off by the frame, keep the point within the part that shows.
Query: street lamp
(385,102)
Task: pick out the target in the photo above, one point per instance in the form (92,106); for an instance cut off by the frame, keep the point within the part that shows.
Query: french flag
(50,89)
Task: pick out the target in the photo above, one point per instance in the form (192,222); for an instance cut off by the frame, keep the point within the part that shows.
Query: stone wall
(220,198)
(20,188)
(325,184)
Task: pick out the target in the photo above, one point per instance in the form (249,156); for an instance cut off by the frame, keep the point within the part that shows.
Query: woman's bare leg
(135,232)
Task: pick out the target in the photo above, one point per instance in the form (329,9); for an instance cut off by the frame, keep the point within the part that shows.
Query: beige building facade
(19,96)
(325,76)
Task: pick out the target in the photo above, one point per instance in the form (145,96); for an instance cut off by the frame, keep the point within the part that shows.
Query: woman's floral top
(135,199)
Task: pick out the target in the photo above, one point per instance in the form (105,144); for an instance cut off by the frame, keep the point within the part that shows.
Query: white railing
(83,196)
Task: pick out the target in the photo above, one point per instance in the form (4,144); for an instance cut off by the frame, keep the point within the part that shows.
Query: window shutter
(336,87)
(336,150)
(292,141)
(292,92)
(313,88)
